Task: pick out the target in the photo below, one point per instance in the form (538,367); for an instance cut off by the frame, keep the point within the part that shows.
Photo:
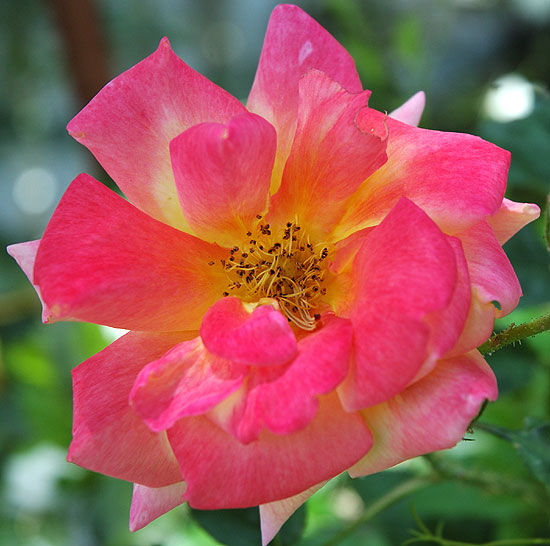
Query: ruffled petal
(430,415)
(223,174)
(330,156)
(102,260)
(149,503)
(129,124)
(457,179)
(261,337)
(221,472)
(511,217)
(186,381)
(294,44)
(411,111)
(108,435)
(405,270)
(491,272)
(274,514)
(286,400)
(25,256)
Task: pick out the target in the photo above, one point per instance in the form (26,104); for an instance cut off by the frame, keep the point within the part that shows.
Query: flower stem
(491,482)
(515,333)
(391,497)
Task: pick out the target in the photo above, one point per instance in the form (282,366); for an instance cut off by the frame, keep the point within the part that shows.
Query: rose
(305,279)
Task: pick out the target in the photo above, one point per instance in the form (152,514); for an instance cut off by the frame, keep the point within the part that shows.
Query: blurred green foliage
(492,488)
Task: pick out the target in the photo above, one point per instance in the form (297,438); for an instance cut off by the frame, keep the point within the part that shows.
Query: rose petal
(108,436)
(491,272)
(131,121)
(262,337)
(294,44)
(25,256)
(447,324)
(511,217)
(286,401)
(187,380)
(149,503)
(102,260)
(330,155)
(223,174)
(457,179)
(411,111)
(405,270)
(221,472)
(274,514)
(430,415)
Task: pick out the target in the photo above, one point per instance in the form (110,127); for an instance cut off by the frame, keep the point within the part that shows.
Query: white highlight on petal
(510,97)
(34,190)
(305,51)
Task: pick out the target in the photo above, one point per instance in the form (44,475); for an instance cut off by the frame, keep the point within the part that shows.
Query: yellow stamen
(286,268)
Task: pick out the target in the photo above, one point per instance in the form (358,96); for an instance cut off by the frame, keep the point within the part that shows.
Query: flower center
(286,267)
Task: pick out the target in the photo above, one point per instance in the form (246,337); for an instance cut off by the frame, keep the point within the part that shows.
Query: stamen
(287,268)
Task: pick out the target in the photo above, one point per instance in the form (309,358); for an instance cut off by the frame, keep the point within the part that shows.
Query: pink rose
(305,279)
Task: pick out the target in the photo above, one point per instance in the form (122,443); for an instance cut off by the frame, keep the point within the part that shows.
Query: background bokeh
(485,67)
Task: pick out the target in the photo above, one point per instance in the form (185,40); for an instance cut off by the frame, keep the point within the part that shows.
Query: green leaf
(239,527)
(532,444)
(292,531)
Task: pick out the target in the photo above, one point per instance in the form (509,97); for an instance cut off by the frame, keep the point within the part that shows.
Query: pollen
(283,265)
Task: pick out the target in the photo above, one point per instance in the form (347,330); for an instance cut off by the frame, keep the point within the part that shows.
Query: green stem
(515,333)
(488,481)
(504,542)
(391,497)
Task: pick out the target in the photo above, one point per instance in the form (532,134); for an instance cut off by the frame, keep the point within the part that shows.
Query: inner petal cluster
(285,266)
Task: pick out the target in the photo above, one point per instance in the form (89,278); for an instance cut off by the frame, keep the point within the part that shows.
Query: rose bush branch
(514,333)
(491,482)
(399,492)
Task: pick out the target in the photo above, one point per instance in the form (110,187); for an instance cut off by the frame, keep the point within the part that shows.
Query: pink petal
(274,514)
(511,217)
(102,260)
(129,124)
(456,179)
(25,256)
(223,174)
(478,327)
(294,44)
(447,324)
(411,111)
(187,380)
(149,503)
(262,337)
(399,281)
(330,156)
(108,436)
(285,402)
(430,415)
(491,273)
(221,472)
